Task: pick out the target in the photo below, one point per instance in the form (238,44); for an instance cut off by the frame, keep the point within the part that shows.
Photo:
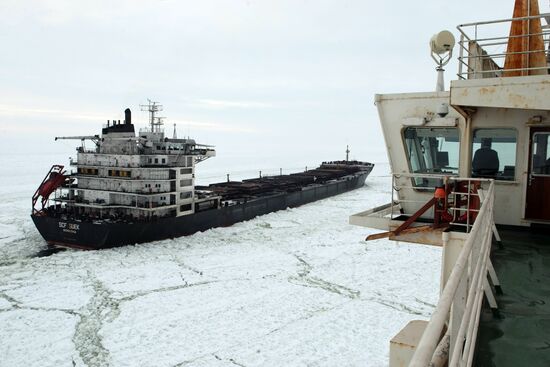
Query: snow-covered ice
(298,287)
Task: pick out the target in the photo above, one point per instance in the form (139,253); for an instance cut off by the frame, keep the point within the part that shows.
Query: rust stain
(518,100)
(486,90)
(525,37)
(405,345)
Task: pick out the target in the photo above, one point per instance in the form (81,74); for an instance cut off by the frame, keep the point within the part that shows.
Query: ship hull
(59,232)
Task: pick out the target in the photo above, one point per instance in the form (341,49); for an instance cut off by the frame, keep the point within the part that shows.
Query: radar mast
(155,121)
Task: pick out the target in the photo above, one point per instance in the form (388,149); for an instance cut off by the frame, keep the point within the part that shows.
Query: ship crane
(94,138)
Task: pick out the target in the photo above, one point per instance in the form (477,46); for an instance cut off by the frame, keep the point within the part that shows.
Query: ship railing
(84,150)
(483,47)
(459,310)
(148,130)
(407,196)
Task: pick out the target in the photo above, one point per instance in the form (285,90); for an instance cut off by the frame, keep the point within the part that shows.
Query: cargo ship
(133,188)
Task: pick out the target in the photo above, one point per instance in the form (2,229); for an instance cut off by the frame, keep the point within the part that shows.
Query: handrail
(477,243)
(486,55)
(461,216)
(441,176)
(505,20)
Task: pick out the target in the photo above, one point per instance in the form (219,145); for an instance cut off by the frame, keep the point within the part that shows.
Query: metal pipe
(517,69)
(461,53)
(465,321)
(441,354)
(430,337)
(474,321)
(503,20)
(476,289)
(474,332)
(450,177)
(445,243)
(478,40)
(500,55)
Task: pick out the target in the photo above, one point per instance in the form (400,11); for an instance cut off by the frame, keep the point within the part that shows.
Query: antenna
(174,135)
(153,108)
(347,153)
(441,45)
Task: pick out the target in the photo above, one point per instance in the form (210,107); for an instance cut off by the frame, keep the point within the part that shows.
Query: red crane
(54,178)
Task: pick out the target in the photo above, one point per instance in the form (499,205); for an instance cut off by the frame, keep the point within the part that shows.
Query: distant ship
(132,189)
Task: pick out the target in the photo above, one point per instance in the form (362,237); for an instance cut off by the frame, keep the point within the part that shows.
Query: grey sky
(267,77)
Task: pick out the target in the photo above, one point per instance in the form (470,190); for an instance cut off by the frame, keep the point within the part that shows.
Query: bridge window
(432,151)
(494,153)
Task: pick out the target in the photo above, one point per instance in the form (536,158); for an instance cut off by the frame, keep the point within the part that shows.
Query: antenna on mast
(153,108)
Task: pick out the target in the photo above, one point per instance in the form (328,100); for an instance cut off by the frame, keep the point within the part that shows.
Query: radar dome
(442,42)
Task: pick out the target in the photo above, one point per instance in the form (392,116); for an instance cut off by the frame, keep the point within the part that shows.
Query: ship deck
(519,336)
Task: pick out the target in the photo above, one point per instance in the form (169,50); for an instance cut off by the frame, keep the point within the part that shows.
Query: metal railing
(483,47)
(470,268)
(462,216)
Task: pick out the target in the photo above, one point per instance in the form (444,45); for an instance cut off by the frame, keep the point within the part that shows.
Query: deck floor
(520,336)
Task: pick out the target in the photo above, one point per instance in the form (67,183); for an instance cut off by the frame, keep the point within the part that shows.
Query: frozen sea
(298,287)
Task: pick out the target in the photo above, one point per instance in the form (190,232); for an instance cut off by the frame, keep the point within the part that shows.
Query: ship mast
(155,121)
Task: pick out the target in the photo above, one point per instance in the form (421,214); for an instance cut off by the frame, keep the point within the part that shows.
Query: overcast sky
(266,77)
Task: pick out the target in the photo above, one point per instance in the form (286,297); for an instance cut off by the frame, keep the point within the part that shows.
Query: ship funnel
(127,116)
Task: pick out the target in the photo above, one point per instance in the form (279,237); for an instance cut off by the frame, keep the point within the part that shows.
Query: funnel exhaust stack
(127,116)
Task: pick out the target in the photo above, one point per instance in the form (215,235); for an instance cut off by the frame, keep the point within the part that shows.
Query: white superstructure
(134,176)
(463,160)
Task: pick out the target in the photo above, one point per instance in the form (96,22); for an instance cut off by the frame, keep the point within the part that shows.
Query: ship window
(432,151)
(185,207)
(494,153)
(185,195)
(540,154)
(156,160)
(186,171)
(150,160)
(186,183)
(163,160)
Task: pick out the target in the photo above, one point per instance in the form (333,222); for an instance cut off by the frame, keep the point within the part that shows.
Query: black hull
(99,235)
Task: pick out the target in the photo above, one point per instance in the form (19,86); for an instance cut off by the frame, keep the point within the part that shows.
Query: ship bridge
(470,169)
